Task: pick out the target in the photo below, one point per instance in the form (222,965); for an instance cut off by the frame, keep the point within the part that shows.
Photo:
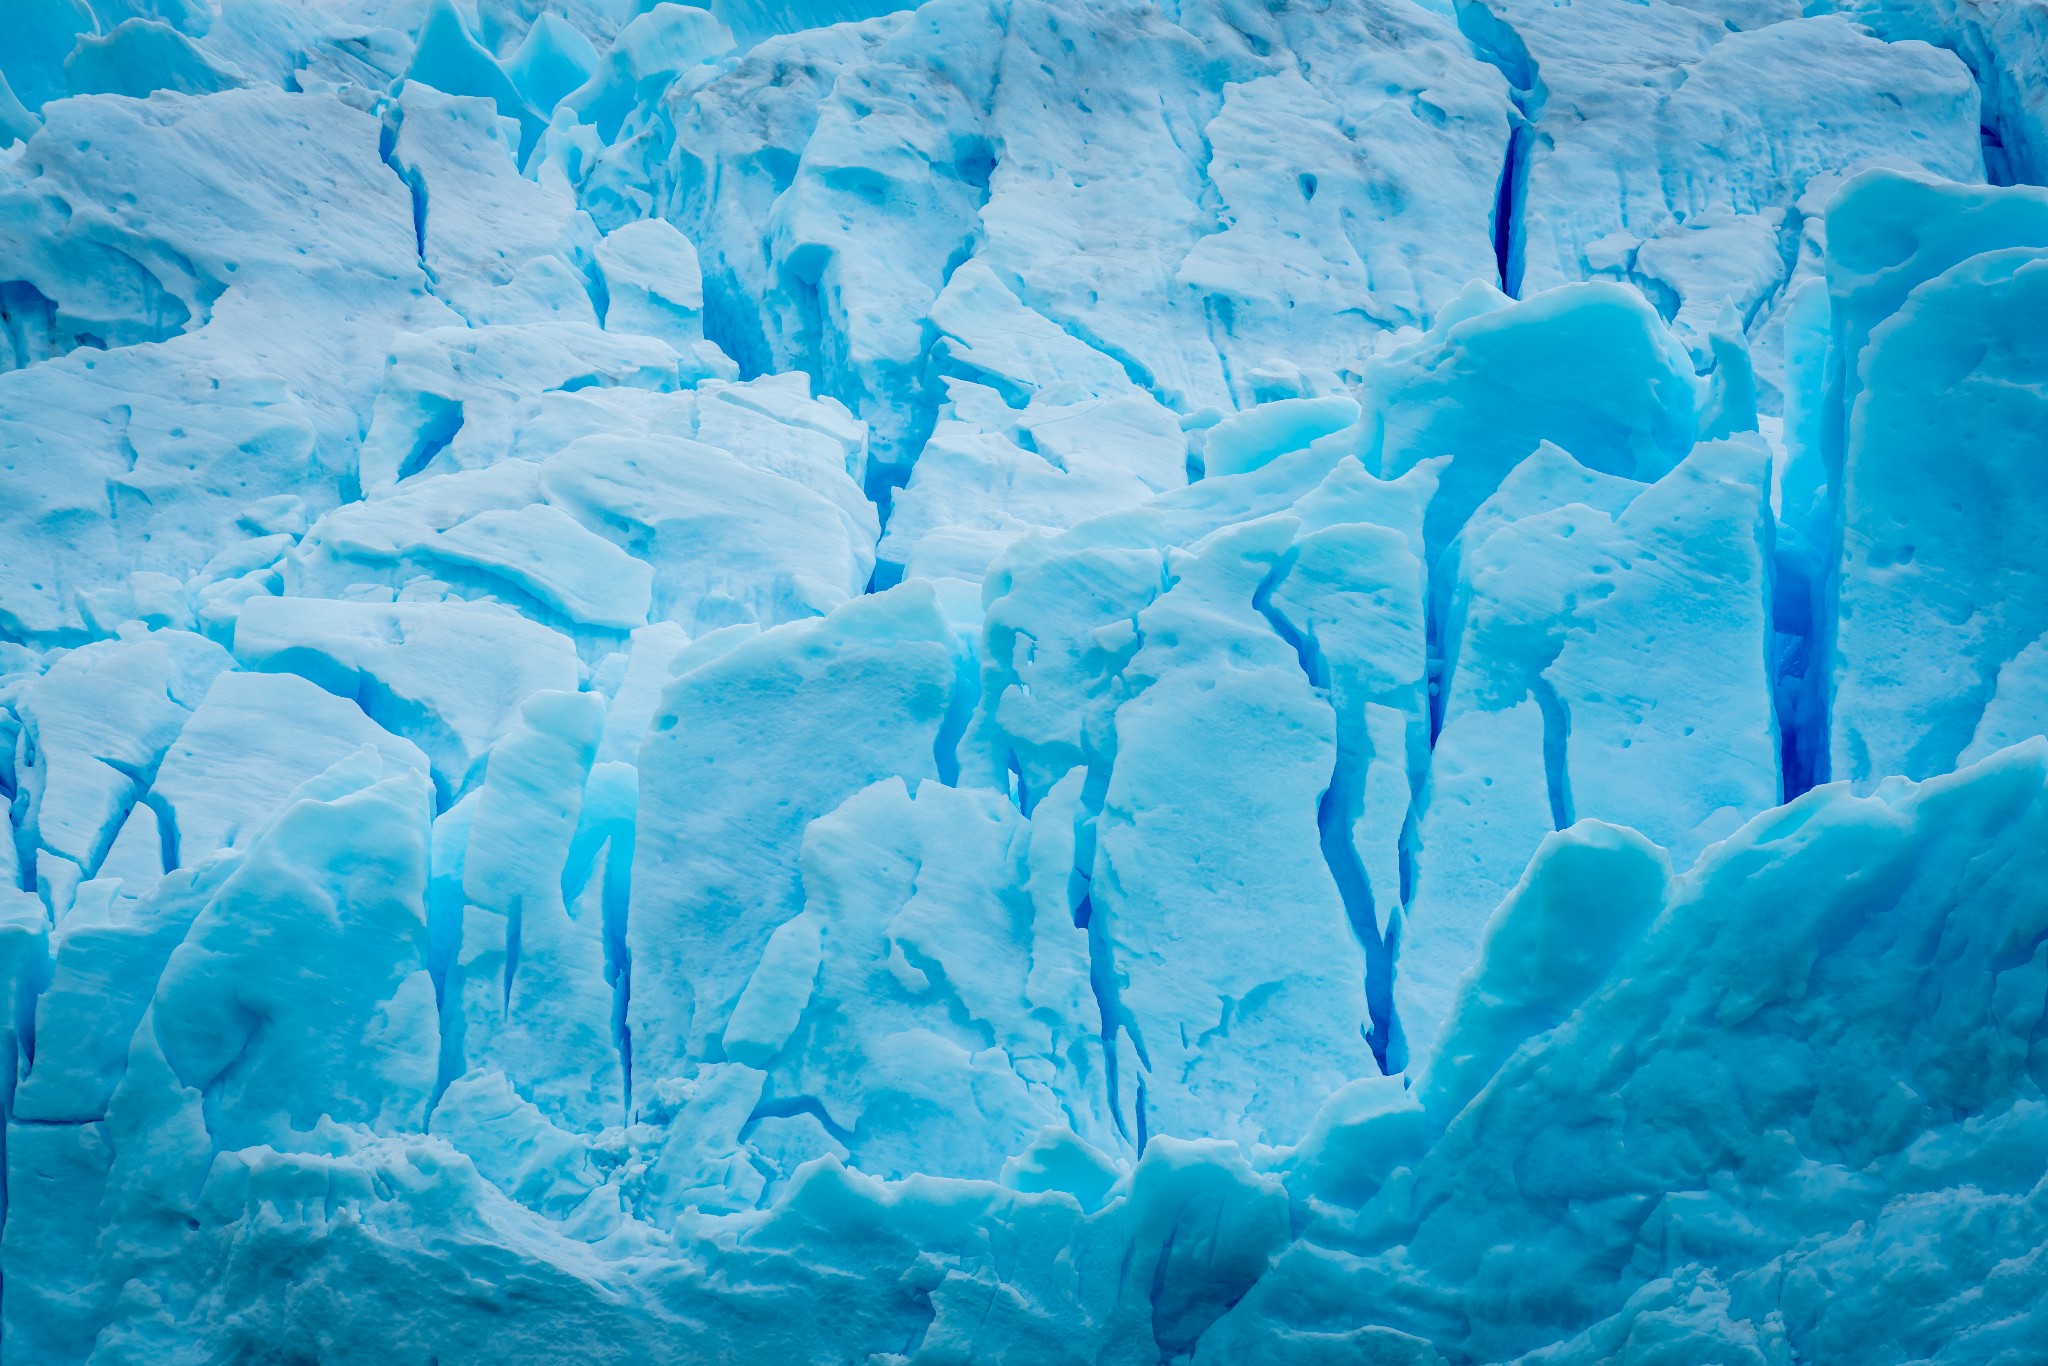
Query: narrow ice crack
(1794,665)
(387,151)
(1339,808)
(1557,727)
(1102,975)
(1495,42)
(1507,209)
(789,1107)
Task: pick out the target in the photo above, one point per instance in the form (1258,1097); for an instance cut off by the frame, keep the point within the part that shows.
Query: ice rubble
(1023,681)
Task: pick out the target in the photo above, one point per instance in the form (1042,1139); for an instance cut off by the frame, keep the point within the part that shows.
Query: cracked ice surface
(1324,681)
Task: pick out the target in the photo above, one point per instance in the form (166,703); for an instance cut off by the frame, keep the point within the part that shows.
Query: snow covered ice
(1348,682)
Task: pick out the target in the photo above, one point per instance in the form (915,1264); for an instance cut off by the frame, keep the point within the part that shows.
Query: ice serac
(1279,614)
(744,752)
(781,552)
(1180,108)
(1685,149)
(652,284)
(253,740)
(2002,46)
(102,970)
(455,398)
(528,993)
(450,674)
(349,1032)
(1231,1025)
(139,56)
(1588,367)
(738,140)
(1607,657)
(925,1012)
(447,57)
(554,58)
(1588,893)
(274,278)
(1941,343)
(1038,431)
(1043,681)
(569,474)
(1308,181)
(881,206)
(460,159)
(94,730)
(1738,1095)
(230,1052)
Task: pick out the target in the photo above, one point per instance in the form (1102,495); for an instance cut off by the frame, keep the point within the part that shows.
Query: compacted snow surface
(1030,681)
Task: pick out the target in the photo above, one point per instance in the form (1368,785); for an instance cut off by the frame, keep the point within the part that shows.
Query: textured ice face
(1024,680)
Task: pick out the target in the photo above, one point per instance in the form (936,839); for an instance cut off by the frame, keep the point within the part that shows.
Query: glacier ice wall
(1316,681)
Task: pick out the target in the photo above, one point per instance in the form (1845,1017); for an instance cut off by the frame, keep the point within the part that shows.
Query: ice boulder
(1939,335)
(746,750)
(1590,368)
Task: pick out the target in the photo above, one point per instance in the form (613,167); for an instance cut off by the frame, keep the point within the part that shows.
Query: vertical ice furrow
(597,880)
(1304,648)
(24,972)
(882,204)
(1507,209)
(21,833)
(960,707)
(1339,809)
(166,829)
(617,895)
(1495,42)
(448,848)
(1114,1020)
(1102,984)
(1408,852)
(513,925)
(1219,319)
(416,191)
(1794,669)
(1557,729)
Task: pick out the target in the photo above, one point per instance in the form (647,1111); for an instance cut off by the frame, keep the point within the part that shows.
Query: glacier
(1220,682)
